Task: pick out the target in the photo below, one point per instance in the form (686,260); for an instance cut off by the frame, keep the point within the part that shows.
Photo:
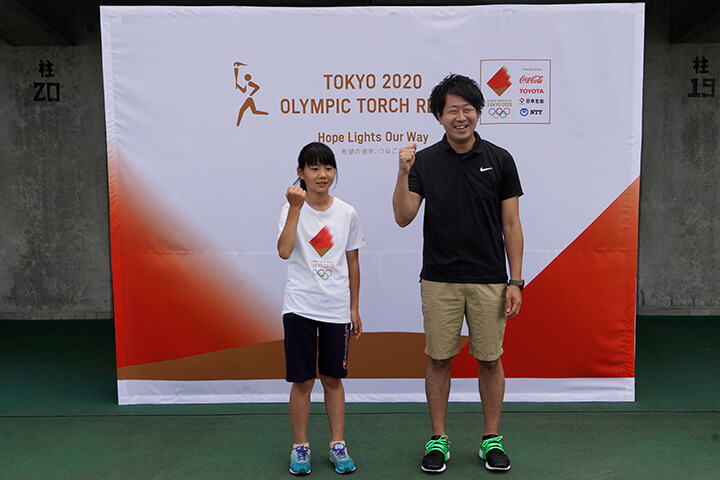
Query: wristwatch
(518,283)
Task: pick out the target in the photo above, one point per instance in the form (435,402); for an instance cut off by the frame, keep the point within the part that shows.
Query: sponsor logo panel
(516,91)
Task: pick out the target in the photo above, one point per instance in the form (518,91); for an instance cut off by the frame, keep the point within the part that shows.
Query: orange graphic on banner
(322,242)
(172,299)
(500,81)
(249,102)
(175,310)
(578,315)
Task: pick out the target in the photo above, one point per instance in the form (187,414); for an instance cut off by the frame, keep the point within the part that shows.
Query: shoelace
(492,443)
(339,450)
(302,452)
(442,444)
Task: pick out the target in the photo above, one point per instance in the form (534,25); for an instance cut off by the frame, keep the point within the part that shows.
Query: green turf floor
(59,420)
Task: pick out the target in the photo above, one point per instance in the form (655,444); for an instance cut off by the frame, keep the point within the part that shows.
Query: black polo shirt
(462,229)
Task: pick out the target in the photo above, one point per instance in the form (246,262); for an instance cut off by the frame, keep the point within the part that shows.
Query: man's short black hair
(459,85)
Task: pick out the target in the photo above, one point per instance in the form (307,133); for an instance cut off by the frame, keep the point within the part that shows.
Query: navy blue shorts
(309,343)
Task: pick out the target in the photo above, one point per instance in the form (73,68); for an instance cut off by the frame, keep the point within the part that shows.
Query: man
(472,221)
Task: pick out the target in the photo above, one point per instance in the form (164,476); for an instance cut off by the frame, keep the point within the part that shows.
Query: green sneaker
(300,460)
(437,452)
(492,451)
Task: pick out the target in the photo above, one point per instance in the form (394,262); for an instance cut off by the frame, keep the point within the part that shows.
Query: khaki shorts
(445,304)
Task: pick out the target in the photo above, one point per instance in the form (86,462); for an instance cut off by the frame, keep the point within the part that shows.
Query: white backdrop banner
(208,107)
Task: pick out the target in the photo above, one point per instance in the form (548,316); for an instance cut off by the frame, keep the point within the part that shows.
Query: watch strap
(518,283)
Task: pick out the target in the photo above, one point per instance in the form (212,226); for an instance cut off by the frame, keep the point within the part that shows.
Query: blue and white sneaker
(340,458)
(300,460)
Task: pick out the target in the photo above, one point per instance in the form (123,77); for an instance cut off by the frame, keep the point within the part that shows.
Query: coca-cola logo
(537,79)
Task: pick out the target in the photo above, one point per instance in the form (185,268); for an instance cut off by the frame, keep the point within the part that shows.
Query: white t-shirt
(318,286)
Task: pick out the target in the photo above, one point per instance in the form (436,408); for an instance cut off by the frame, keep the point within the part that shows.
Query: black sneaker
(492,451)
(437,452)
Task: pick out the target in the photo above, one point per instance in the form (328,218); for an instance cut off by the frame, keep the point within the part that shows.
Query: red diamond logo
(323,241)
(500,81)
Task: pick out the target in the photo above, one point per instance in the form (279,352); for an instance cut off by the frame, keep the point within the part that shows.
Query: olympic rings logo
(499,112)
(322,273)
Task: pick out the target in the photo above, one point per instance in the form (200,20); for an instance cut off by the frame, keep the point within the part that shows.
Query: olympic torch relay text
(343,106)
(360,84)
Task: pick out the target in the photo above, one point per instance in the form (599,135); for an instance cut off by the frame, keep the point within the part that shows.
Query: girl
(320,235)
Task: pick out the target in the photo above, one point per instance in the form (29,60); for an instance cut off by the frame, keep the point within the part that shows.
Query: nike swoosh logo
(485,169)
